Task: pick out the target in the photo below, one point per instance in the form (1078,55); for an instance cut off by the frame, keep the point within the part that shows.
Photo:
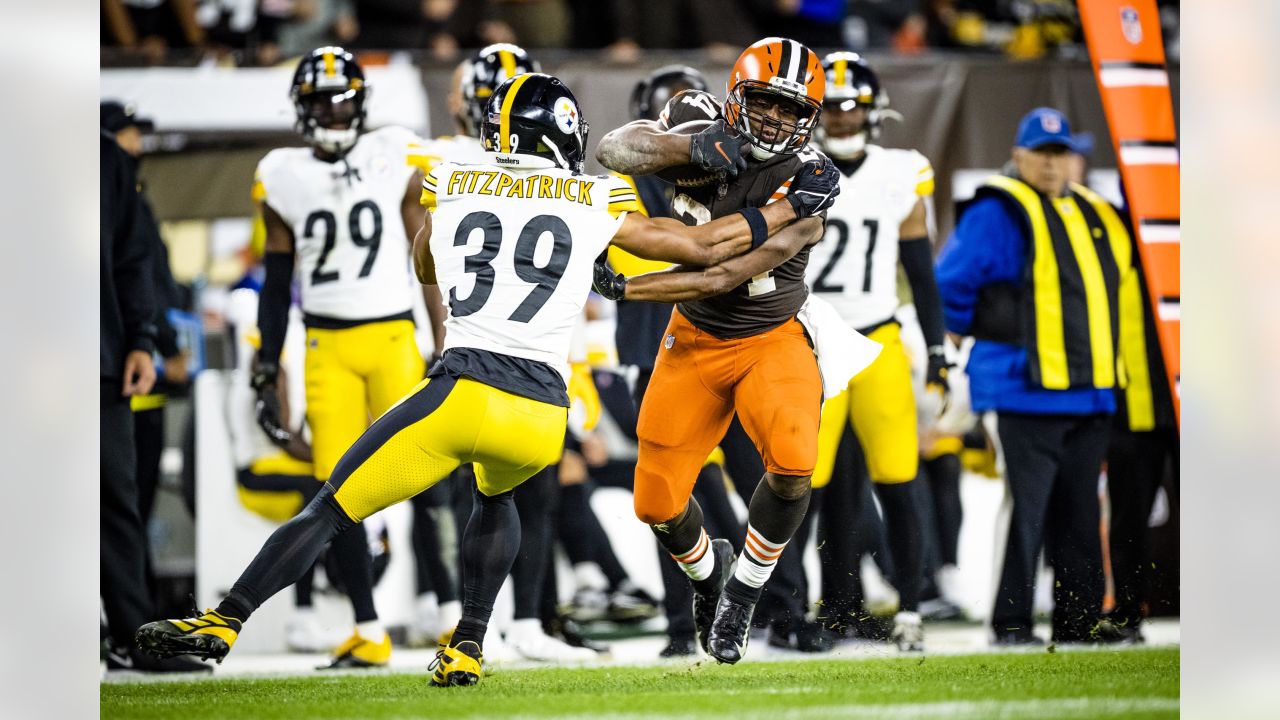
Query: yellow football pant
(882,407)
(437,427)
(353,376)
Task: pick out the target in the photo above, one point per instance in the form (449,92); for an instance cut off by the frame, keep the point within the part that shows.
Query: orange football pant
(699,381)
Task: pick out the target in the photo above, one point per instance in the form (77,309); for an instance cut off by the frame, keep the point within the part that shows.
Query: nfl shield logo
(1130,25)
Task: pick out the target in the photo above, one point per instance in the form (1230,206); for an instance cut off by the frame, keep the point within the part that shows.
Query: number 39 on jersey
(513,252)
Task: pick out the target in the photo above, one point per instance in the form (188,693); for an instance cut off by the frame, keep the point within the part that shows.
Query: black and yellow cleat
(209,636)
(360,652)
(457,665)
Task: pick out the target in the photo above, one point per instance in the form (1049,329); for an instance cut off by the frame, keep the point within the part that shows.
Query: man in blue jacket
(1040,272)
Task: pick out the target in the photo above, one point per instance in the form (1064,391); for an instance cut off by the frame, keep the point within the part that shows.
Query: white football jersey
(855,267)
(514,250)
(462,149)
(348,232)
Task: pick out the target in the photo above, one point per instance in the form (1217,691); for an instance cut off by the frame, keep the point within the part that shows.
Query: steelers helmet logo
(567,116)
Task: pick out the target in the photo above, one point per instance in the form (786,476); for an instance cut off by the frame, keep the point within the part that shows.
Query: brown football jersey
(769,299)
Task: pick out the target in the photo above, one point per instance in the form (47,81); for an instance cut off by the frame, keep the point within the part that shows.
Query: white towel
(842,351)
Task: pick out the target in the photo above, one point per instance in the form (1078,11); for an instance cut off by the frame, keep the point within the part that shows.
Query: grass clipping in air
(1132,683)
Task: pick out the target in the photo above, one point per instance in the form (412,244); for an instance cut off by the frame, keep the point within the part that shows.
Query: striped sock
(759,556)
(698,562)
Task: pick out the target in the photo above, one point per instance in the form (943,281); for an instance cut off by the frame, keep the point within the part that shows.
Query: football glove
(583,397)
(268,404)
(814,188)
(935,376)
(607,283)
(718,149)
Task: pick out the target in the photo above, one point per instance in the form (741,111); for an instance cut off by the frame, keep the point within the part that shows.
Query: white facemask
(335,141)
(844,148)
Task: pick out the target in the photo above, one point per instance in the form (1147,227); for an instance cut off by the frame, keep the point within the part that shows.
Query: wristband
(759,228)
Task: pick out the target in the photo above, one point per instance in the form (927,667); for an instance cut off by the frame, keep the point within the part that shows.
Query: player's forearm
(731,235)
(642,148)
(679,284)
(684,284)
(273,305)
(436,313)
(424,265)
(917,260)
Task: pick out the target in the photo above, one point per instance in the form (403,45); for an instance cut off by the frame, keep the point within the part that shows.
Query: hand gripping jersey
(855,267)
(514,250)
(345,217)
(771,298)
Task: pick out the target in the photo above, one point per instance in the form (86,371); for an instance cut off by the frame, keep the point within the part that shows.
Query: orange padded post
(1129,63)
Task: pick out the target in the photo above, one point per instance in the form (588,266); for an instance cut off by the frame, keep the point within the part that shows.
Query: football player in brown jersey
(732,345)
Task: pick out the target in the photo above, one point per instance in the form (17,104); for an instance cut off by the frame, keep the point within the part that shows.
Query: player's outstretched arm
(703,245)
(643,147)
(684,284)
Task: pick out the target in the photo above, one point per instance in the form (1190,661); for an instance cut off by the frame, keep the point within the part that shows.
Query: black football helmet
(535,115)
(651,94)
(329,94)
(483,72)
(852,83)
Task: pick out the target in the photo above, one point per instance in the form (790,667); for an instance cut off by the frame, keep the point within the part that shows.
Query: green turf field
(1133,683)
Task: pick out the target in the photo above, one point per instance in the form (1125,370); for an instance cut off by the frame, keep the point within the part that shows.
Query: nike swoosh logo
(723,154)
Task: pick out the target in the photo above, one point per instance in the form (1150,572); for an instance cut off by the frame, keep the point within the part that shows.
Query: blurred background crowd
(263,32)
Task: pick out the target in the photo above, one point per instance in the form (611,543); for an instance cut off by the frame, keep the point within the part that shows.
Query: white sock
(700,561)
(450,613)
(759,557)
(371,631)
(588,575)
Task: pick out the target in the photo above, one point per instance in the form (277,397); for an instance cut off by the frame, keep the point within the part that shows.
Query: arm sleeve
(273,305)
(917,261)
(134,281)
(966,263)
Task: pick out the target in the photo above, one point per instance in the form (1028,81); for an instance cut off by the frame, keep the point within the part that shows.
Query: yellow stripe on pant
(442,424)
(353,376)
(881,405)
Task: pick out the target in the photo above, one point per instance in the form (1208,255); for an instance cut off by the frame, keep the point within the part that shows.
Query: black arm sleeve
(917,260)
(133,269)
(273,305)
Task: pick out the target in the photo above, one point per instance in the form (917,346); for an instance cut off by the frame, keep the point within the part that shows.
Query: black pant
(1052,463)
(1136,464)
(122,547)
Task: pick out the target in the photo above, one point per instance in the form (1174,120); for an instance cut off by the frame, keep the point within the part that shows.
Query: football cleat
(457,665)
(908,632)
(360,652)
(704,606)
(209,636)
(730,630)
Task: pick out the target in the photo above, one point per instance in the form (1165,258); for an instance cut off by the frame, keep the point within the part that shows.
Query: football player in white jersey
(512,244)
(879,220)
(343,209)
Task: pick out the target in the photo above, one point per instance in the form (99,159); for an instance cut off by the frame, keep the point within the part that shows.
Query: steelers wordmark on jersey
(345,218)
(855,267)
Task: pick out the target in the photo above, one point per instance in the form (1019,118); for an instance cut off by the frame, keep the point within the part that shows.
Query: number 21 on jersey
(830,280)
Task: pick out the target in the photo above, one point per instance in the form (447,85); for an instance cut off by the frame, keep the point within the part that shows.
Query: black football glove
(718,149)
(268,404)
(608,284)
(935,376)
(814,188)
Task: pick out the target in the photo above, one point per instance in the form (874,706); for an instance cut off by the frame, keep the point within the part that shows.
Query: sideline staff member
(1040,272)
